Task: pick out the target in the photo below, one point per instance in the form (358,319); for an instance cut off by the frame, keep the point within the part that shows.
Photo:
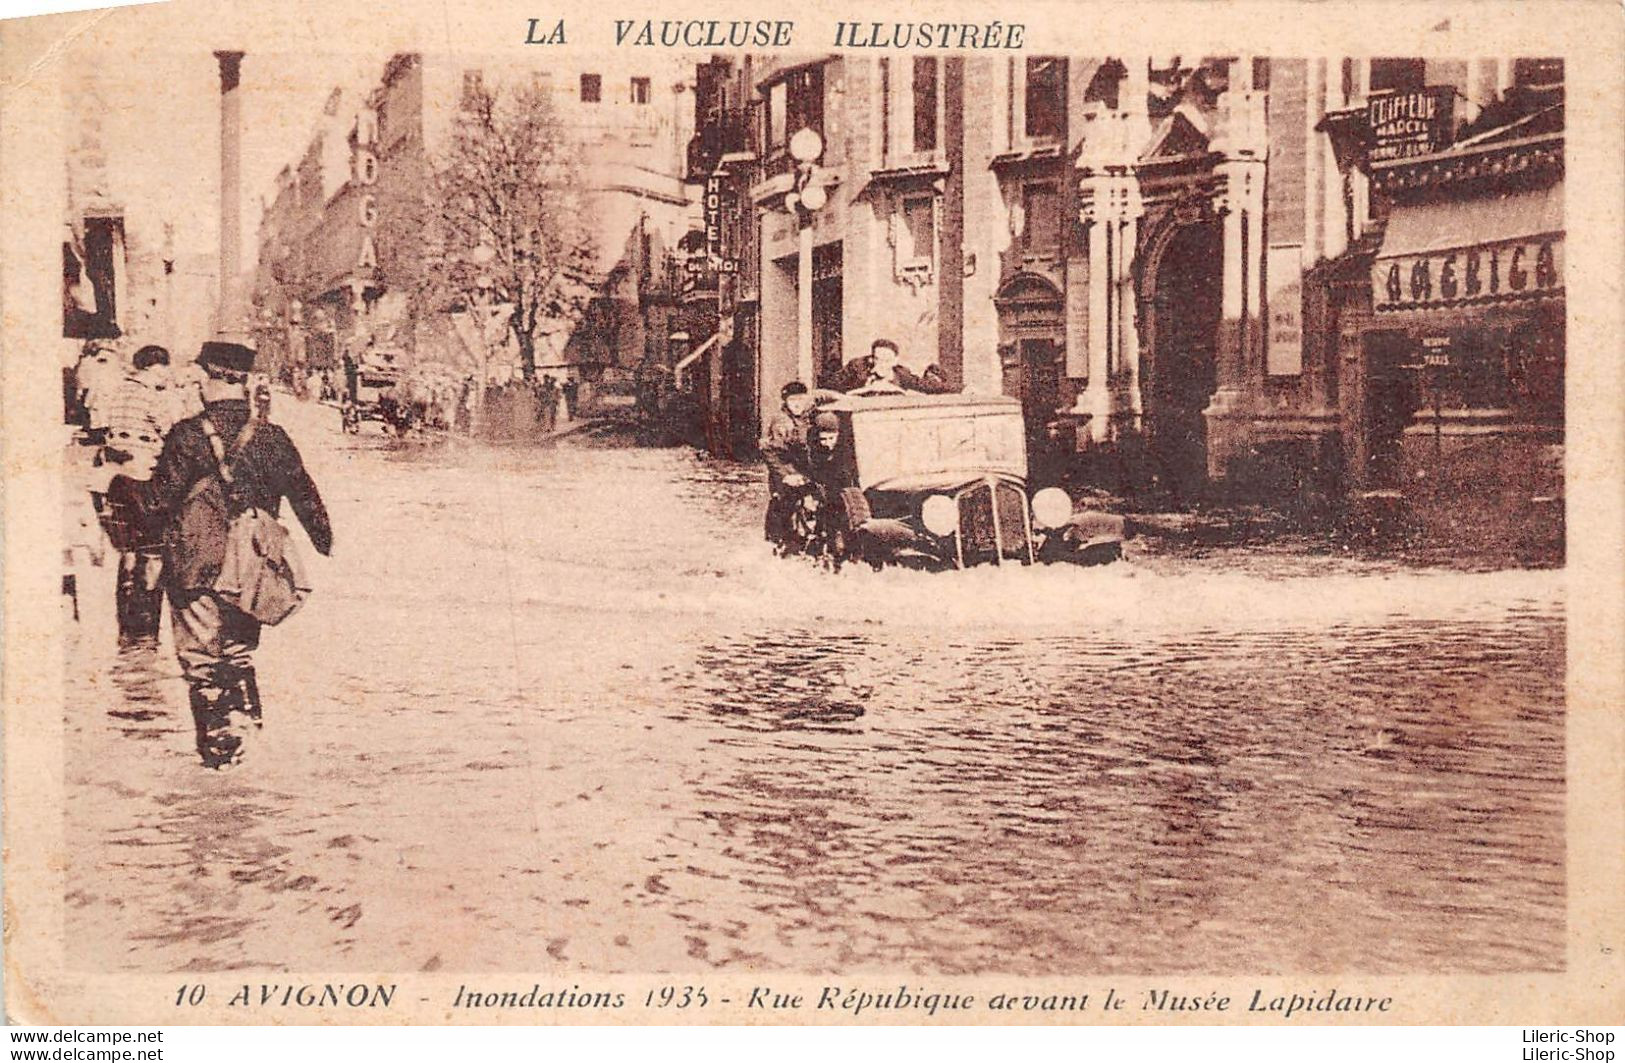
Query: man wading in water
(189,497)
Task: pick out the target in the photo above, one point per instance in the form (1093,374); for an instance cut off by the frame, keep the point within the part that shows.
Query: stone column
(1094,400)
(1133,102)
(1315,235)
(1109,207)
(951,268)
(987,225)
(231,150)
(1359,183)
(1242,145)
(1128,325)
(1334,234)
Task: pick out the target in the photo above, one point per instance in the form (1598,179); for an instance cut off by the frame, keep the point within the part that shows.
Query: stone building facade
(125,276)
(338,239)
(1167,260)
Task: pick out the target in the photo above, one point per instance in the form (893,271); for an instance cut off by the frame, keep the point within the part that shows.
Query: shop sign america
(1505,270)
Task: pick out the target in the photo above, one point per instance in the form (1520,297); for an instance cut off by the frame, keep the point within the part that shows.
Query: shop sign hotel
(1407,124)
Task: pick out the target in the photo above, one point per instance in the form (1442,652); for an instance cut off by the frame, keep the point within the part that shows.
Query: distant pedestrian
(139,417)
(466,399)
(561,407)
(352,374)
(548,398)
(100,374)
(214,466)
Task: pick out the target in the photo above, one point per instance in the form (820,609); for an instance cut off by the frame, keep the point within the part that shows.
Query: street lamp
(806,197)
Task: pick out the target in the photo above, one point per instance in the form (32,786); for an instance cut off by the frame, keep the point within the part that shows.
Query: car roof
(914,400)
(948,481)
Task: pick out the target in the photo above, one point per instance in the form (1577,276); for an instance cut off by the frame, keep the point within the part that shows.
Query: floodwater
(561,710)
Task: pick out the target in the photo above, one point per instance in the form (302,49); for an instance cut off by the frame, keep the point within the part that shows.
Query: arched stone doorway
(1182,292)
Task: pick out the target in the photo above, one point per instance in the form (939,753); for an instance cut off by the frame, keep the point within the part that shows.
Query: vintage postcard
(796,513)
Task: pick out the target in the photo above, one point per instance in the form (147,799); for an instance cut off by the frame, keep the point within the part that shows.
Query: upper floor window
(925,104)
(592,88)
(1537,71)
(919,232)
(1046,98)
(1041,213)
(640,90)
(473,86)
(1398,75)
(795,102)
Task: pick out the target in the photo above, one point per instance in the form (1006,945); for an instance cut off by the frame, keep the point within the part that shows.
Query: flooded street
(561,710)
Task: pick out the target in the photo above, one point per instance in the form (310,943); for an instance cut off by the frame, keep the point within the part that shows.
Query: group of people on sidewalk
(189,449)
(522,408)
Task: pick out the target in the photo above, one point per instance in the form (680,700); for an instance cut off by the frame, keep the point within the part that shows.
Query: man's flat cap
(233,356)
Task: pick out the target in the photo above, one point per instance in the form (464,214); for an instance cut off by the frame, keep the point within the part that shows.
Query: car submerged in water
(940,482)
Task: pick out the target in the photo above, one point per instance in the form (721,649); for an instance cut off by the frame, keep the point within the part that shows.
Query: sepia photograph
(612,520)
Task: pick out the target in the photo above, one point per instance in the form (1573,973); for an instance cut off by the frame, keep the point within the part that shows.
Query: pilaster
(1242,145)
(1110,209)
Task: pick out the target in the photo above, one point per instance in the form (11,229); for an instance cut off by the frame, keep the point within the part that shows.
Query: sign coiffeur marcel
(1492,272)
(1407,124)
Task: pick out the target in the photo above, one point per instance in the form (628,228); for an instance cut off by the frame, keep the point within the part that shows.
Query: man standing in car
(882,371)
(213,638)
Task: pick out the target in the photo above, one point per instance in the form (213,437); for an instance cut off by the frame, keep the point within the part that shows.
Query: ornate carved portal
(1180,292)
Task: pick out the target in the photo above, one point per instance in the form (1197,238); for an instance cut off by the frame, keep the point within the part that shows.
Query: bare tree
(507,219)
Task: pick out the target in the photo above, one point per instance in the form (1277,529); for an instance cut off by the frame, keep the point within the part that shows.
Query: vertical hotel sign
(713,217)
(1407,124)
(713,258)
(364,163)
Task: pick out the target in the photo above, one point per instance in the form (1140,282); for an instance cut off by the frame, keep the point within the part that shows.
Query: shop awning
(1430,227)
(693,356)
(1470,252)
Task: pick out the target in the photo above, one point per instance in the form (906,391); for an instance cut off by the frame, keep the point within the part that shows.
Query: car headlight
(1052,507)
(939,515)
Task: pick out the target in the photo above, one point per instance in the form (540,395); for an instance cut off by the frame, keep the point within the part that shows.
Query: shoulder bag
(262,574)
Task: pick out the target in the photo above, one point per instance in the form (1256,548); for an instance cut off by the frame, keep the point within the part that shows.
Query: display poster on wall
(1284,348)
